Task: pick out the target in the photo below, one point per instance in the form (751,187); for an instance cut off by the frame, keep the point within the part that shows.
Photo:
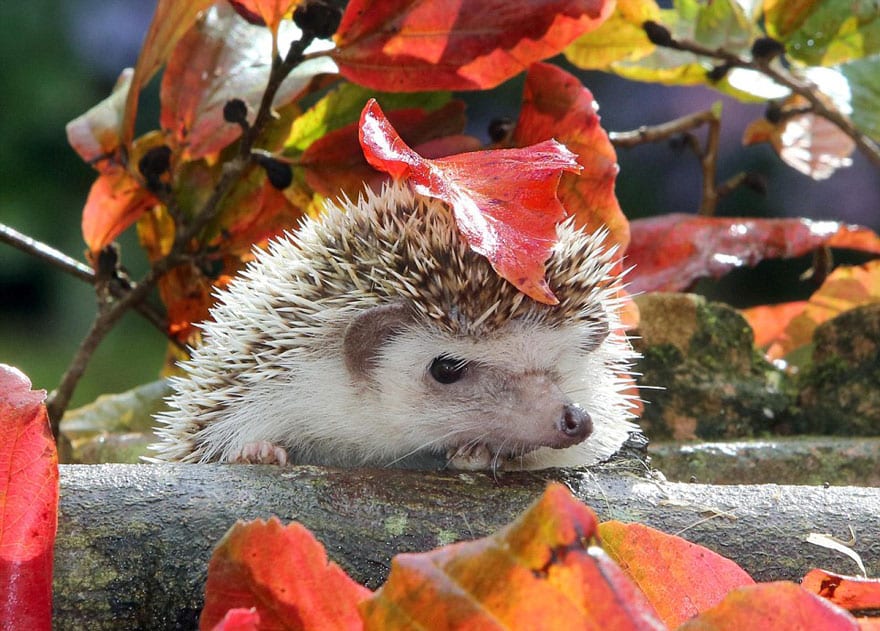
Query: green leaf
(863,77)
(824,32)
(343,106)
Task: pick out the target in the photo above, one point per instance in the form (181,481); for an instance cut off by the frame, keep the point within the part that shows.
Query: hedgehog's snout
(574,423)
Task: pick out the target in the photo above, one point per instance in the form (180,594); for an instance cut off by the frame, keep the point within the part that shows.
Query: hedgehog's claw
(470,457)
(260,452)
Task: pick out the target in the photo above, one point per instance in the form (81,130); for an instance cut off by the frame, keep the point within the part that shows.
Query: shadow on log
(134,540)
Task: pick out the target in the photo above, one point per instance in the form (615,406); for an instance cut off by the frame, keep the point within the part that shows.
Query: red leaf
(270,12)
(28,504)
(170,21)
(116,200)
(680,578)
(239,620)
(850,592)
(335,162)
(541,572)
(556,105)
(284,573)
(504,201)
(220,58)
(671,251)
(413,45)
(779,606)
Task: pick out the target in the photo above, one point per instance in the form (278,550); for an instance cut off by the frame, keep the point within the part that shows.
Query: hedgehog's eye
(446,369)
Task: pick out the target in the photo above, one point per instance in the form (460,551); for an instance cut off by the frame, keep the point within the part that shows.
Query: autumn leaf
(556,105)
(239,620)
(283,572)
(620,37)
(853,593)
(670,252)
(28,504)
(336,164)
(679,578)
(845,288)
(411,45)
(543,571)
(270,12)
(504,201)
(781,606)
(116,200)
(220,58)
(769,321)
(806,142)
(96,135)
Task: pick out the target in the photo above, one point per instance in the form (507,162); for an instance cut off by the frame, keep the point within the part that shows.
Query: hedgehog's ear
(367,333)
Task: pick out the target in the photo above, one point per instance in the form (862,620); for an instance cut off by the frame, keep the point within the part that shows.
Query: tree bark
(134,540)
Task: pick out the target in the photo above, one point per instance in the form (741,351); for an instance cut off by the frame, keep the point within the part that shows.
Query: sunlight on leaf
(620,37)
(411,45)
(95,135)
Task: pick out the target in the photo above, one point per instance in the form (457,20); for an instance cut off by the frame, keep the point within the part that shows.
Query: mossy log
(134,540)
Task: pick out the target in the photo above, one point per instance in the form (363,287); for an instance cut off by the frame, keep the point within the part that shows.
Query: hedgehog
(375,336)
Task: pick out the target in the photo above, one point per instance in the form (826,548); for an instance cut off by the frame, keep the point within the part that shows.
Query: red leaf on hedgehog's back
(504,200)
(28,504)
(556,105)
(283,572)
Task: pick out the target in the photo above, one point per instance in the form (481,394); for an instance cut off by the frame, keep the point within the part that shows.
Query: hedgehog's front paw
(469,458)
(260,452)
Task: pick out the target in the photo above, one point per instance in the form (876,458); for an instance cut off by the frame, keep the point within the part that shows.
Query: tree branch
(820,106)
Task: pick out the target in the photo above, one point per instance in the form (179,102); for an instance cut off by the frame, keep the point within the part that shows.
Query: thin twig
(83,272)
(708,155)
(820,106)
(110,312)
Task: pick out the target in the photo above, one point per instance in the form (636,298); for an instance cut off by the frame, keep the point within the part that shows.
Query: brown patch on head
(366,334)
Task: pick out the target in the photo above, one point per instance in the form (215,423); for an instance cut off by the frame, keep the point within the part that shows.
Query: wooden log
(134,540)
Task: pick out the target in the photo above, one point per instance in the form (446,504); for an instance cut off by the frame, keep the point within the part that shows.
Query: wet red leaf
(504,200)
(671,251)
(850,592)
(779,606)
(680,578)
(540,572)
(116,200)
(556,105)
(283,572)
(28,504)
(335,162)
(411,45)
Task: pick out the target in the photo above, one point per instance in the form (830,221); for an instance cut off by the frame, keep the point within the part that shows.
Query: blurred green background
(60,57)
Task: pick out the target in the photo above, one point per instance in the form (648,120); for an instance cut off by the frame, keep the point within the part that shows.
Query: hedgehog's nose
(575,423)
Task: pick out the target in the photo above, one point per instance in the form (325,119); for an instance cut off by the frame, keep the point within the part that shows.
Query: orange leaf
(116,200)
(671,251)
(780,606)
(170,21)
(414,45)
(850,592)
(271,12)
(769,321)
(283,572)
(846,287)
(556,105)
(540,572)
(28,504)
(504,201)
(680,578)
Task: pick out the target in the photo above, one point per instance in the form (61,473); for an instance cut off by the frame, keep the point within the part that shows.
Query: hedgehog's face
(483,401)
